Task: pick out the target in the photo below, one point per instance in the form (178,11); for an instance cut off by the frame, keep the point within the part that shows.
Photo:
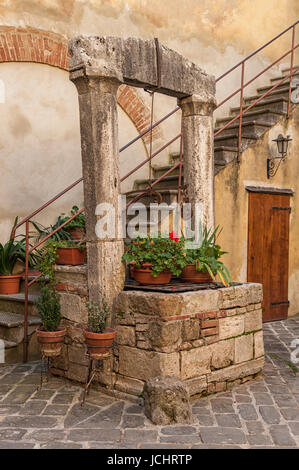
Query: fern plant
(48,307)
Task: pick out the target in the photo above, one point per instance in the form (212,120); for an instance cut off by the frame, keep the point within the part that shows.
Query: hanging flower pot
(190,274)
(10,284)
(70,256)
(51,342)
(144,275)
(99,344)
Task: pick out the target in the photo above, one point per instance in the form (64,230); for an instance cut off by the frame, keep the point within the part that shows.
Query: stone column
(99,148)
(198,148)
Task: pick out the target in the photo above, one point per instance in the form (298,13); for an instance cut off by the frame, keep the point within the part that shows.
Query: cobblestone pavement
(259,414)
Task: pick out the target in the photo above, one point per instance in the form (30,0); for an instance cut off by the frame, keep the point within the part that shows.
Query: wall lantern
(282,147)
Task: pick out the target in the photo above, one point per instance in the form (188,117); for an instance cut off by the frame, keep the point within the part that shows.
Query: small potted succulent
(50,335)
(153,260)
(98,337)
(203,263)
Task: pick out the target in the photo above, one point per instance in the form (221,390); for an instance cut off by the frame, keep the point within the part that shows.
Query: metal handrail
(240,90)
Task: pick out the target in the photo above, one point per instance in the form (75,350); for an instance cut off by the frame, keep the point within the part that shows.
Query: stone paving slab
(255,415)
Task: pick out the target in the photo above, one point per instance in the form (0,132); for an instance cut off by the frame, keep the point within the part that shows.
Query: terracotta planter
(51,342)
(189,274)
(10,284)
(99,344)
(70,255)
(76,233)
(145,276)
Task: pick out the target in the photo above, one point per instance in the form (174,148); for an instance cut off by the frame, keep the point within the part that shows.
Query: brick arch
(34,45)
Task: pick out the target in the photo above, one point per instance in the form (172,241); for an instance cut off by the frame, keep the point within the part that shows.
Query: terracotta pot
(51,342)
(189,274)
(76,233)
(99,344)
(10,284)
(70,255)
(145,276)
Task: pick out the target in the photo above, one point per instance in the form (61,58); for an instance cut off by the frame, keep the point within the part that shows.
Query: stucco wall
(40,142)
(231,201)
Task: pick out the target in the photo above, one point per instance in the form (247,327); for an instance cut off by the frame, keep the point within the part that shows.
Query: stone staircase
(256,122)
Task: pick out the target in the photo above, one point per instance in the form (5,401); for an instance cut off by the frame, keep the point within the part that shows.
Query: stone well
(210,339)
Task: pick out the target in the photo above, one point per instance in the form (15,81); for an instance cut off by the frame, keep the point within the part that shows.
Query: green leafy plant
(77,222)
(97,316)
(206,257)
(162,252)
(48,307)
(13,251)
(49,254)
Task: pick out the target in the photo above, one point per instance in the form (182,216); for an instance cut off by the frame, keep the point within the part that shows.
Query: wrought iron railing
(151,185)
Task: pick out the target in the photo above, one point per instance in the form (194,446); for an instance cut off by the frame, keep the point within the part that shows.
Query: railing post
(291,68)
(241,112)
(25,341)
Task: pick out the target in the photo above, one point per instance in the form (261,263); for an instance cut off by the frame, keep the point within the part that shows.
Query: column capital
(198,105)
(86,82)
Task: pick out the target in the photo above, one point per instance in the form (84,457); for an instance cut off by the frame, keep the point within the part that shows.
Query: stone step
(263,115)
(167,182)
(15,303)
(249,128)
(232,140)
(277,79)
(12,326)
(169,196)
(14,351)
(282,92)
(279,104)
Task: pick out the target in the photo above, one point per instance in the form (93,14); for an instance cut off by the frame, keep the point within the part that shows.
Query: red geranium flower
(174,236)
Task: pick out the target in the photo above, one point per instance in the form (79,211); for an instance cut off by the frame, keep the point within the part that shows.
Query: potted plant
(154,259)
(99,339)
(76,227)
(50,335)
(67,252)
(203,263)
(10,253)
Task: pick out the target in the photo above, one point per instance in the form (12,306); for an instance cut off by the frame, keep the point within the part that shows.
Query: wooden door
(268,250)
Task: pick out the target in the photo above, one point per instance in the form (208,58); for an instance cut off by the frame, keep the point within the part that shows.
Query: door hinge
(284,302)
(282,208)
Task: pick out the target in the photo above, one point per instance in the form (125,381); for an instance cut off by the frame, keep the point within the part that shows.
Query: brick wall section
(43,47)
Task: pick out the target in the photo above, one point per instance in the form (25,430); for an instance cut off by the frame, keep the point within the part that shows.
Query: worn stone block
(125,335)
(61,361)
(237,371)
(166,335)
(129,385)
(195,362)
(167,401)
(73,308)
(74,333)
(243,348)
(197,385)
(78,355)
(222,354)
(77,372)
(258,343)
(142,364)
(190,329)
(200,301)
(231,326)
(253,320)
(148,303)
